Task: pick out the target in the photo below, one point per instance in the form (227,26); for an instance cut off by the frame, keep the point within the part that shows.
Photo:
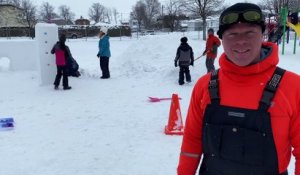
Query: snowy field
(102,127)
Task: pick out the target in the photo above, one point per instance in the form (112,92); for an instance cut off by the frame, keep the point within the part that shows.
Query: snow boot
(67,88)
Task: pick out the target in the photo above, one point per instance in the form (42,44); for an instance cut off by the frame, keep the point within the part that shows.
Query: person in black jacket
(185,58)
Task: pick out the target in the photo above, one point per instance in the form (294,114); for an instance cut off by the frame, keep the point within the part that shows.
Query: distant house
(212,23)
(197,24)
(134,25)
(11,16)
(194,25)
(61,22)
(82,21)
(124,22)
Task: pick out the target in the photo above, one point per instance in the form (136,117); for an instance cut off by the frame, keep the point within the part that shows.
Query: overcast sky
(81,7)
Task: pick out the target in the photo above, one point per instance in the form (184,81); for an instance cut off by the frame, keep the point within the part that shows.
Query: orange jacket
(242,87)
(212,44)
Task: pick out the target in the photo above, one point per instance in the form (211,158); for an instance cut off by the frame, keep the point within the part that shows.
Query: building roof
(7,5)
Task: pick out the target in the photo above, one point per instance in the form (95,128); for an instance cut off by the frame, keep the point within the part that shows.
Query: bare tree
(292,5)
(204,8)
(96,12)
(115,15)
(274,6)
(270,6)
(29,11)
(16,3)
(138,13)
(173,10)
(65,13)
(47,12)
(152,12)
(108,15)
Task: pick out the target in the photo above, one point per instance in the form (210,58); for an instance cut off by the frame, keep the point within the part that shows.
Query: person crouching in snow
(62,53)
(104,52)
(185,57)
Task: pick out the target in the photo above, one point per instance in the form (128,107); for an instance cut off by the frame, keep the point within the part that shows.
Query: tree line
(149,14)
(46,12)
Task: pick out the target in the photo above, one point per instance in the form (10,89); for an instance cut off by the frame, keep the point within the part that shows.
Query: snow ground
(102,126)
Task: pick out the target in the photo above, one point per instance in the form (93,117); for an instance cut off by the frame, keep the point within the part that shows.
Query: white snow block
(21,54)
(46,36)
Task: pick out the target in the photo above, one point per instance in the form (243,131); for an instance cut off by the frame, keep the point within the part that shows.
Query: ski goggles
(249,16)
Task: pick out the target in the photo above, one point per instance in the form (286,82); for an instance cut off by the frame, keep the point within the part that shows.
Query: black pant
(104,65)
(61,71)
(184,70)
(210,64)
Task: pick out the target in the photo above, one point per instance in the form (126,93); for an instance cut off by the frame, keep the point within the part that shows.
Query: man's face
(242,43)
(100,34)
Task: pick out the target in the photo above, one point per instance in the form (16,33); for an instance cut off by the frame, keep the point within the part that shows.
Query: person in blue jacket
(104,53)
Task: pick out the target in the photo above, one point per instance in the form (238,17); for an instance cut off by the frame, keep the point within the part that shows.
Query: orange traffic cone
(175,126)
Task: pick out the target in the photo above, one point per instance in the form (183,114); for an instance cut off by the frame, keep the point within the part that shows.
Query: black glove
(192,63)
(98,55)
(175,63)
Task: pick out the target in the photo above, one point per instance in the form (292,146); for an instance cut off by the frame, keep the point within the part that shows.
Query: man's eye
(232,34)
(251,33)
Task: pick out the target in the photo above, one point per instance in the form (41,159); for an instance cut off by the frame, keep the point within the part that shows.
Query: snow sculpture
(46,36)
(35,54)
(21,54)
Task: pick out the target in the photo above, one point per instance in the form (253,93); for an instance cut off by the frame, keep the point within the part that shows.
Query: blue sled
(7,120)
(6,123)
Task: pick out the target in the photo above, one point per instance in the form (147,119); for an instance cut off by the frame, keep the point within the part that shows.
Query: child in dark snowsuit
(185,57)
(62,53)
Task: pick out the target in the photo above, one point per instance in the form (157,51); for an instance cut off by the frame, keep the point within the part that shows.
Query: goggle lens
(252,16)
(248,16)
(230,18)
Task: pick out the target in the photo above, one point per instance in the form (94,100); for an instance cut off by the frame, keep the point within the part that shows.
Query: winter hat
(211,30)
(104,30)
(241,8)
(184,39)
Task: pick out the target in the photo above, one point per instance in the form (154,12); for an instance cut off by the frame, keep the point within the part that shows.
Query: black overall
(238,141)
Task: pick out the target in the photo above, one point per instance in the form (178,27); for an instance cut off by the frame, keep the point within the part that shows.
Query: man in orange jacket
(243,119)
(211,50)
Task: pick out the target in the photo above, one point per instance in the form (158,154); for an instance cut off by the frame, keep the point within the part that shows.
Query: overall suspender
(270,89)
(213,87)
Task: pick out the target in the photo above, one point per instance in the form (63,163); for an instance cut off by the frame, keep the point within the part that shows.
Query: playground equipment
(284,22)
(295,27)
(297,30)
